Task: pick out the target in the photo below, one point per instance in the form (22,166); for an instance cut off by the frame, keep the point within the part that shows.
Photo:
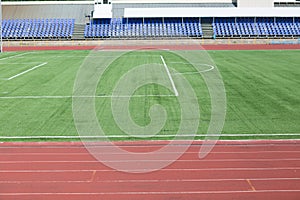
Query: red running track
(233,170)
(155,47)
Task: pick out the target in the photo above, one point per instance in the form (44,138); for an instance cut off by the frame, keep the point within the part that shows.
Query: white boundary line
(104,56)
(24,72)
(100,96)
(156,136)
(169,75)
(14,56)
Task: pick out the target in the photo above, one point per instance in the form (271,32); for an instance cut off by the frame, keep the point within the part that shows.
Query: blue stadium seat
(148,27)
(37,28)
(262,27)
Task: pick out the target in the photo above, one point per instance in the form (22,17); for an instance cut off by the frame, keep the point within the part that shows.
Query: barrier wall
(38,11)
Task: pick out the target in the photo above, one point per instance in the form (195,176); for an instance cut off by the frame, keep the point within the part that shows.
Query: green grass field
(262,89)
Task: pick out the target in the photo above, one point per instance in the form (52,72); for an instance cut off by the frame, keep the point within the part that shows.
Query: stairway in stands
(207,28)
(78,33)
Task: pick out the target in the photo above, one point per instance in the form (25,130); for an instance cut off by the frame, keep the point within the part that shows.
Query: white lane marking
(165,169)
(24,72)
(154,180)
(148,193)
(167,152)
(14,56)
(169,75)
(215,160)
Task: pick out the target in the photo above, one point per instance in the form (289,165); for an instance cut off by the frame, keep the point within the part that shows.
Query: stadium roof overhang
(22,3)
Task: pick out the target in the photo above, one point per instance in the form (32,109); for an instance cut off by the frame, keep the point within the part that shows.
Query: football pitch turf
(262,93)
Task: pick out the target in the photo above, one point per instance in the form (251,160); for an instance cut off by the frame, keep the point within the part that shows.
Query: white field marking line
(147,192)
(187,73)
(87,56)
(19,63)
(181,63)
(169,75)
(24,72)
(5,79)
(158,180)
(14,56)
(127,136)
(99,96)
(174,169)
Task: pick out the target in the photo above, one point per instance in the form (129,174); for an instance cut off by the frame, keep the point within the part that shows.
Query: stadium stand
(152,27)
(257,27)
(148,27)
(191,27)
(37,28)
(101,19)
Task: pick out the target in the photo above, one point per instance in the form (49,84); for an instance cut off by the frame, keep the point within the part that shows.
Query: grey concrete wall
(74,11)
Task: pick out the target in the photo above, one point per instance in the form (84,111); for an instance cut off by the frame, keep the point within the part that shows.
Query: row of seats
(143,30)
(37,28)
(151,27)
(261,27)
(147,27)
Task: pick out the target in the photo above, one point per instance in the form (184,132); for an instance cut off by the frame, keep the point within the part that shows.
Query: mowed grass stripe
(262,90)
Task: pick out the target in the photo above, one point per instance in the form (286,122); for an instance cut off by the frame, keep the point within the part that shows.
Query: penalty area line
(170,76)
(24,72)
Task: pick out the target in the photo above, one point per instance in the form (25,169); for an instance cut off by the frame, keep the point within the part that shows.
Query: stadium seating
(37,28)
(151,27)
(256,27)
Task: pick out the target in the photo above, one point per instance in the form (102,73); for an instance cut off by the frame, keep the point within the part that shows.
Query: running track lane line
(270,180)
